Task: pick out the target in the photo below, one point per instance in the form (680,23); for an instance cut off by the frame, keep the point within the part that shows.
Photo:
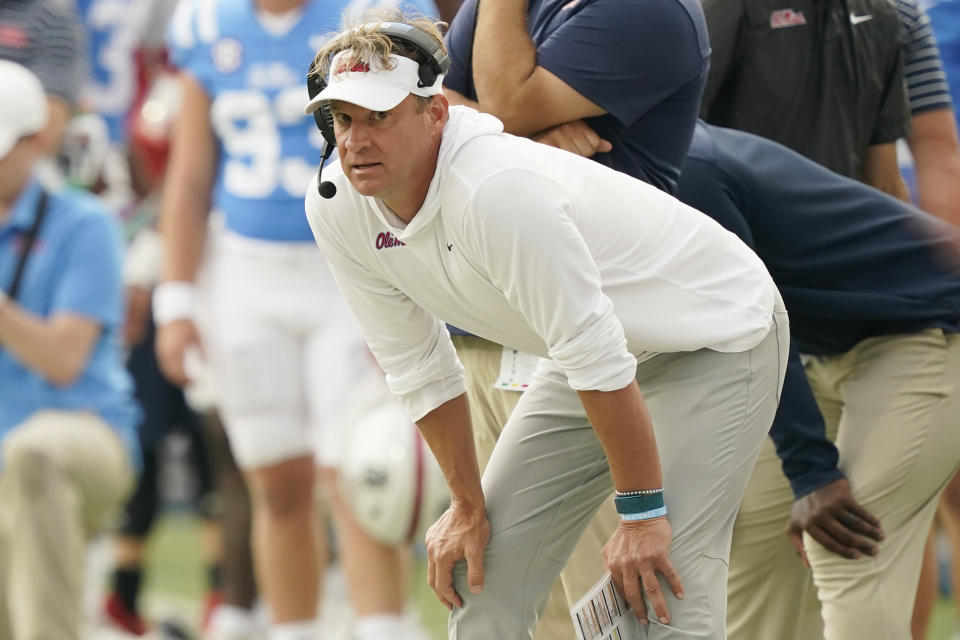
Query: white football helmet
(82,156)
(389,477)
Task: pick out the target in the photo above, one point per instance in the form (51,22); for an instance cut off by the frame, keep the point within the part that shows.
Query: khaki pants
(61,474)
(548,475)
(770,593)
(489,410)
(892,406)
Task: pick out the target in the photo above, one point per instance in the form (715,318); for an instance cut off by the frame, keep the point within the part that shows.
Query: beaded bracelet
(641,492)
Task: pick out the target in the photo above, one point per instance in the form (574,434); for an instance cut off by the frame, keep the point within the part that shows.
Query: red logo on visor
(361,67)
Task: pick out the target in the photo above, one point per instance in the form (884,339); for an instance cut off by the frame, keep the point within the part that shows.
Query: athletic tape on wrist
(646,515)
(173,301)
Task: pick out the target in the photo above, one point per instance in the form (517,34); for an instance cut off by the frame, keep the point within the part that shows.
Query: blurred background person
(167,419)
(875,309)
(823,78)
(67,416)
(931,160)
(111,84)
(46,37)
(283,348)
(116,147)
(934,88)
(844,107)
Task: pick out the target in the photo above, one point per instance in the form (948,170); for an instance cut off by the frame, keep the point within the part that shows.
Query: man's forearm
(625,430)
(449,435)
(183,226)
(939,187)
(890,183)
(809,459)
(881,171)
(57,349)
(190,177)
(509,81)
(936,154)
(504,56)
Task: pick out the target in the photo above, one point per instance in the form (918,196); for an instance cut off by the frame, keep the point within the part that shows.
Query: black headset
(435,62)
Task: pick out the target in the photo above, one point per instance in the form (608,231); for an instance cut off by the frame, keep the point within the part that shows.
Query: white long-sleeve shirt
(540,250)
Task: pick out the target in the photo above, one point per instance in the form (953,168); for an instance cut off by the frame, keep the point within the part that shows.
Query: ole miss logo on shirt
(385,240)
(786,18)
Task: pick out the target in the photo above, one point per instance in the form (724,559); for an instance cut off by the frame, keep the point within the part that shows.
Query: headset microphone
(326,189)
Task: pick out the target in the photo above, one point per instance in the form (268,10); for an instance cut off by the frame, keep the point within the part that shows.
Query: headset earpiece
(322,116)
(435,62)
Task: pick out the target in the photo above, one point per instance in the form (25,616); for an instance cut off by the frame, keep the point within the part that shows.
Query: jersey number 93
(255,164)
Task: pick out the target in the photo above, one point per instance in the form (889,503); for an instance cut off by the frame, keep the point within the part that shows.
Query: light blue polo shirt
(75,267)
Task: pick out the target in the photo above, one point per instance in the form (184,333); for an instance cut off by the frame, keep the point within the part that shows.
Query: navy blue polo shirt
(851,262)
(645,63)
(75,267)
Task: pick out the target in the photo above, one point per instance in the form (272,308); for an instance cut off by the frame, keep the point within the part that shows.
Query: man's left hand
(576,137)
(635,554)
(834,519)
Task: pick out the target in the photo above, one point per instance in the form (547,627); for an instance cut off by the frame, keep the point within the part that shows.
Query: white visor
(370,86)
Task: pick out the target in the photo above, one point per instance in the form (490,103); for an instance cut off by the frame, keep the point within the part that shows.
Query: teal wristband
(639,504)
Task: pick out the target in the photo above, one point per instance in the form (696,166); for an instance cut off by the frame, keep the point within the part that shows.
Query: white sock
(230,622)
(300,630)
(386,626)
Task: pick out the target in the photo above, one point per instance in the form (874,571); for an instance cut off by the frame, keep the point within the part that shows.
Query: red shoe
(214,600)
(121,617)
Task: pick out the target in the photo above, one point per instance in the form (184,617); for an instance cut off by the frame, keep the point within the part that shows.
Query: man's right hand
(836,520)
(173,340)
(576,137)
(461,532)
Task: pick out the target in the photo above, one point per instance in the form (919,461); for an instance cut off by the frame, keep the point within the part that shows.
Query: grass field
(175,581)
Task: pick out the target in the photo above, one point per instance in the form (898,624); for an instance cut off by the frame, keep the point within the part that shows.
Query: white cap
(23,105)
(371,86)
